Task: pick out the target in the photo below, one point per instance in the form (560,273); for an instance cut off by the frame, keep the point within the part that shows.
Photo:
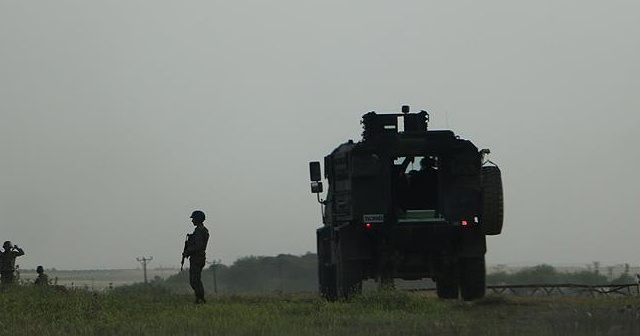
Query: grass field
(136,310)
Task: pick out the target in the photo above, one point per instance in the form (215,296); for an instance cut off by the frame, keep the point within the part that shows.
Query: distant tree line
(547,274)
(282,273)
(289,273)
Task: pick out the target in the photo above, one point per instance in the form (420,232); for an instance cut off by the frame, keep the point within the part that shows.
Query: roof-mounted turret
(381,125)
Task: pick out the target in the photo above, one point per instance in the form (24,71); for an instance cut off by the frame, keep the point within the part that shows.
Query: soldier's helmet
(40,269)
(198,215)
(7,244)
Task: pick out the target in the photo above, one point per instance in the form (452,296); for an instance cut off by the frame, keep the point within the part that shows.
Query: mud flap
(473,243)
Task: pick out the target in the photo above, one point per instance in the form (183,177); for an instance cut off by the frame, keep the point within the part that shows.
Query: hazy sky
(118,118)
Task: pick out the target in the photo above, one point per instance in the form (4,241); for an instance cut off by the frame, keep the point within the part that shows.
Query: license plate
(373,218)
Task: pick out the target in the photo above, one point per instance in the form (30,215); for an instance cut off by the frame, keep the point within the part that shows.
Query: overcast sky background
(118,118)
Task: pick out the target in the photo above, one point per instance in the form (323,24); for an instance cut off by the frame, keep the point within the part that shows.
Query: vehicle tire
(349,277)
(492,201)
(327,282)
(353,282)
(447,282)
(326,270)
(472,278)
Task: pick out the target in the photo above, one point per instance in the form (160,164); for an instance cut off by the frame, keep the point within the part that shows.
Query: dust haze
(119,118)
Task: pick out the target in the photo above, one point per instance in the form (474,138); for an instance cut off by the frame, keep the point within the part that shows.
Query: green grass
(27,310)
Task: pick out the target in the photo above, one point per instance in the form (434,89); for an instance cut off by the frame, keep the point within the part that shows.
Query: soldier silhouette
(194,249)
(42,279)
(8,262)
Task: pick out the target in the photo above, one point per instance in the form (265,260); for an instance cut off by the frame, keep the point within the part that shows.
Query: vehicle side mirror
(314,171)
(316,176)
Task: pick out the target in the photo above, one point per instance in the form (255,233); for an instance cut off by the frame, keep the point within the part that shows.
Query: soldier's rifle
(184,250)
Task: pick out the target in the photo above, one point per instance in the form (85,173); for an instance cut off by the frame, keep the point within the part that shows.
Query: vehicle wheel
(326,270)
(447,281)
(472,278)
(354,282)
(327,282)
(492,201)
(349,278)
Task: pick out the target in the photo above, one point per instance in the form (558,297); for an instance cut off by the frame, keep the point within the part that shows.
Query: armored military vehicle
(406,202)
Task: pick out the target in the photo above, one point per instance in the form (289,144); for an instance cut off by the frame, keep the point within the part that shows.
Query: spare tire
(492,201)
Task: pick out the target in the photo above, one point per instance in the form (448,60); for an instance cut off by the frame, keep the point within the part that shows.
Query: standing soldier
(8,262)
(194,249)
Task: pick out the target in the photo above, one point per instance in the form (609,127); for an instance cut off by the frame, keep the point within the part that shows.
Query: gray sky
(117,118)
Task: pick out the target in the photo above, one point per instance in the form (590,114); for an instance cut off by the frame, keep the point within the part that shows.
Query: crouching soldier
(42,278)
